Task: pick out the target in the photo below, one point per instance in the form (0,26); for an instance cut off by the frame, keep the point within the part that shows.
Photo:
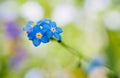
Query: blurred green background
(92,27)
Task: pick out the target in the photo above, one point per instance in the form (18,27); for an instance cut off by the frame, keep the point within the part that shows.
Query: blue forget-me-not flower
(54,31)
(42,31)
(29,26)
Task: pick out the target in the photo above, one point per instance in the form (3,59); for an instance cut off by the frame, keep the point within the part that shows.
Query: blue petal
(46,21)
(46,26)
(36,42)
(44,30)
(30,22)
(49,34)
(45,39)
(31,35)
(36,29)
(57,36)
(28,26)
(52,24)
(59,30)
(42,22)
(39,22)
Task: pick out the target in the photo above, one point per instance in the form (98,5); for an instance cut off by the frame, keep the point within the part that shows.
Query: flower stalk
(70,49)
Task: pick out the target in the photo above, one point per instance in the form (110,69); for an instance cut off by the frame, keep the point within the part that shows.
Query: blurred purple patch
(18,57)
(12,30)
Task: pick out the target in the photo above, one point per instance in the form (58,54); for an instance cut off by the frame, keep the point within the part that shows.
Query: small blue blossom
(37,36)
(54,31)
(42,31)
(29,26)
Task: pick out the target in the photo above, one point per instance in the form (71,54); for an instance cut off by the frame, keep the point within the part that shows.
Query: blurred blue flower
(95,63)
(29,26)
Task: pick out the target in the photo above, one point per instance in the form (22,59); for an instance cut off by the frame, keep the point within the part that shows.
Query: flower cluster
(42,31)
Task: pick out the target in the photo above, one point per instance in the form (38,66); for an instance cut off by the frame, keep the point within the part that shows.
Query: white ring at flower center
(53,29)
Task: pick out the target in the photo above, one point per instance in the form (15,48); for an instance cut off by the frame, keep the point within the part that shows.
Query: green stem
(71,50)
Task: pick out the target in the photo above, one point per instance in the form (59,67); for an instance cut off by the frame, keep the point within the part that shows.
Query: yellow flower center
(33,24)
(53,29)
(39,35)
